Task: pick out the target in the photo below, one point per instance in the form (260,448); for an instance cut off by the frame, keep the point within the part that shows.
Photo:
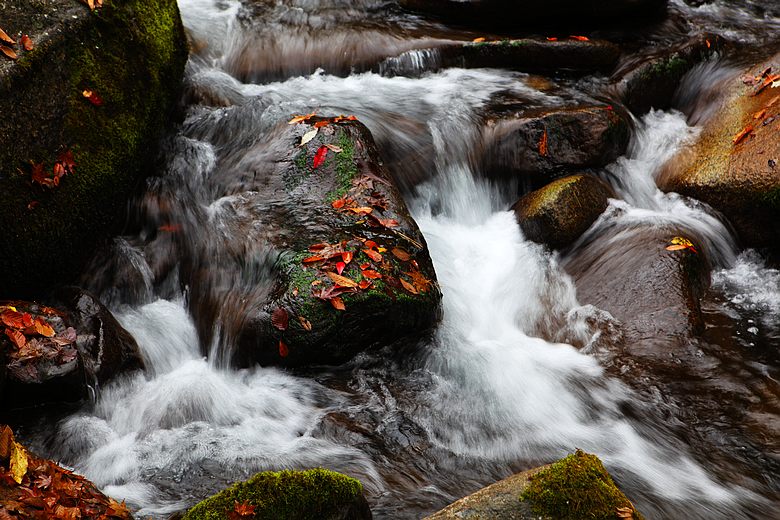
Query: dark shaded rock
(288,495)
(653,292)
(89,349)
(557,214)
(651,81)
(132,55)
(741,180)
(526,13)
(59,493)
(278,210)
(575,487)
(547,142)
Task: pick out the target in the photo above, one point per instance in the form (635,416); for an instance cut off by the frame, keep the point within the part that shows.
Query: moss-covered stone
(313,494)
(132,54)
(577,487)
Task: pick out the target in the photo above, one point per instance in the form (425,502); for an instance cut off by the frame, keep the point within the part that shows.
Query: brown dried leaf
(306,324)
(27,43)
(4,37)
(742,135)
(409,287)
(342,280)
(280,319)
(8,52)
(16,337)
(338,303)
(401,254)
(6,438)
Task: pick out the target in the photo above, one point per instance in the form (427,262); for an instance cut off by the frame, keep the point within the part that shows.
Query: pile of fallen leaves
(765,116)
(65,164)
(38,489)
(33,338)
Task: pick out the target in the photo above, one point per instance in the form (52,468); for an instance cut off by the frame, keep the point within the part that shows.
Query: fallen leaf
(401,254)
(6,438)
(306,324)
(543,144)
(478,40)
(338,303)
(676,247)
(312,259)
(624,512)
(308,136)
(334,148)
(369,244)
(299,119)
(409,287)
(368,273)
(364,284)
(341,118)
(760,114)
(742,135)
(552,39)
(13,319)
(421,283)
(342,280)
(4,37)
(340,267)
(580,38)
(389,222)
(679,243)
(280,319)
(43,328)
(319,157)
(58,170)
(363,210)
(26,42)
(92,97)
(283,350)
(244,509)
(8,52)
(67,160)
(373,255)
(18,462)
(33,204)
(346,256)
(16,337)
(42,481)
(364,266)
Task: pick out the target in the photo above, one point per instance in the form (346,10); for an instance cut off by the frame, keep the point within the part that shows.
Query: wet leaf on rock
(409,287)
(280,319)
(401,254)
(8,52)
(241,510)
(319,157)
(4,37)
(26,42)
(283,350)
(368,273)
(308,136)
(543,144)
(299,119)
(338,303)
(680,243)
(373,255)
(306,324)
(742,135)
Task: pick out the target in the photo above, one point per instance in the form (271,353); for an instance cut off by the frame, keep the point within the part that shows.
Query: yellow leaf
(18,465)
(308,136)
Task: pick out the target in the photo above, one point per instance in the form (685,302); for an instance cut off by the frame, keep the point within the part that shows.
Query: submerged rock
(286,495)
(129,57)
(546,142)
(317,257)
(733,166)
(557,214)
(55,354)
(573,488)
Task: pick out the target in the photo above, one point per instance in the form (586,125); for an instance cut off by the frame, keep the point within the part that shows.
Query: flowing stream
(514,375)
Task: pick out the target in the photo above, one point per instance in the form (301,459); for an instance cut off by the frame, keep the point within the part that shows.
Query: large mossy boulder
(735,164)
(130,55)
(317,255)
(557,214)
(544,143)
(315,494)
(56,354)
(512,14)
(573,488)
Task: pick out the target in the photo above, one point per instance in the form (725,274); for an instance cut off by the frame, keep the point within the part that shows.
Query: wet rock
(577,486)
(132,56)
(650,81)
(557,214)
(318,257)
(556,13)
(543,143)
(84,347)
(45,490)
(734,172)
(314,493)
(627,271)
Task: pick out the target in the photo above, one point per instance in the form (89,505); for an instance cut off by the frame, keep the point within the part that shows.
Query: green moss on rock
(577,487)
(315,494)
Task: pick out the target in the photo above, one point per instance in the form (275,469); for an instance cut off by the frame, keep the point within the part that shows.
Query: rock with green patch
(317,257)
(734,166)
(652,81)
(557,214)
(130,53)
(315,494)
(574,488)
(540,144)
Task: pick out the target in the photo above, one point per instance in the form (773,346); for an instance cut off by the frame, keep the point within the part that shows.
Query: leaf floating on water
(342,280)
(338,303)
(319,157)
(300,119)
(308,136)
(283,350)
(306,324)
(742,135)
(280,319)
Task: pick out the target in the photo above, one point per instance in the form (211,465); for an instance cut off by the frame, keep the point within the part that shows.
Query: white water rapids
(488,390)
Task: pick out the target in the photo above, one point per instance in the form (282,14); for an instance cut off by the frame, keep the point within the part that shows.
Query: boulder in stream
(557,214)
(735,164)
(573,488)
(546,142)
(288,495)
(55,354)
(82,109)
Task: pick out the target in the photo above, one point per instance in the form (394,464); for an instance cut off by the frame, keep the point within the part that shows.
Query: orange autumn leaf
(370,244)
(478,40)
(364,284)
(409,287)
(306,324)
(244,509)
(760,114)
(346,256)
(320,124)
(339,203)
(580,38)
(389,222)
(363,210)
(4,37)
(312,259)
(742,135)
(283,350)
(421,283)
(338,303)
(368,273)
(43,328)
(373,255)
(552,39)
(543,144)
(92,97)
(8,52)
(342,280)
(26,42)
(13,319)
(299,119)
(16,337)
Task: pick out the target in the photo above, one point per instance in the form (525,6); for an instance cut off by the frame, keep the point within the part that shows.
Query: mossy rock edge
(312,494)
(132,54)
